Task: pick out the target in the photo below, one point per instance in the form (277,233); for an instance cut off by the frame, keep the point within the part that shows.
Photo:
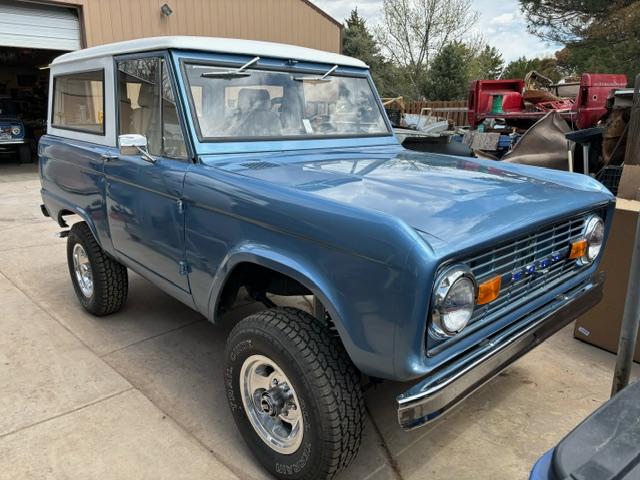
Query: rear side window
(78,102)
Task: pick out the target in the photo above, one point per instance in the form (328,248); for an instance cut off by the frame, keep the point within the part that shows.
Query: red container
(592,98)
(481,95)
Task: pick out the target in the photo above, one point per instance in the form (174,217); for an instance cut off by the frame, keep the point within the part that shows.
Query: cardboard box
(600,326)
(629,187)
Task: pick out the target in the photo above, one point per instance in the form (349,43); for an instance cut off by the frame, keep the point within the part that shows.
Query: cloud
(504,19)
(340,9)
(501,24)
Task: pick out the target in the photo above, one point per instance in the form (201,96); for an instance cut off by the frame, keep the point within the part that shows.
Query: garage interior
(24,80)
(31,36)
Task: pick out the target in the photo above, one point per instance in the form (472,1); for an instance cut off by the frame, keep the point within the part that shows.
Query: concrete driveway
(140,394)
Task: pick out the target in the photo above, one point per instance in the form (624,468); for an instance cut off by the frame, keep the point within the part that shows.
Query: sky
(501,24)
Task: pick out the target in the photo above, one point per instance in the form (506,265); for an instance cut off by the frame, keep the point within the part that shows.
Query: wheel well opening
(64,213)
(258,281)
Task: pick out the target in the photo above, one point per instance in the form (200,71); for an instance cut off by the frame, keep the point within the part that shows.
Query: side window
(147,106)
(78,102)
(173,141)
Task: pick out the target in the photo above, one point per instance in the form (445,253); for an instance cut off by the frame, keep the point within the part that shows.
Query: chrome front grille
(529,266)
(528,251)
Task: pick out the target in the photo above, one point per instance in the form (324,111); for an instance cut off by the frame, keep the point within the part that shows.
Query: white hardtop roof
(212,44)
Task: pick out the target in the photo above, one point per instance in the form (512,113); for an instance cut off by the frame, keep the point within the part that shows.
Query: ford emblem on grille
(539,266)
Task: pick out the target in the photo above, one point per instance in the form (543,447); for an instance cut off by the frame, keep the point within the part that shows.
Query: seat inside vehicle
(254,115)
(143,117)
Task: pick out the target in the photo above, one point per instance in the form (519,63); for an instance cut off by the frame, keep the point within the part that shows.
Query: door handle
(108,156)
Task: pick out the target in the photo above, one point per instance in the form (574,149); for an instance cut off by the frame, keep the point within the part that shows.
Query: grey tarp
(544,144)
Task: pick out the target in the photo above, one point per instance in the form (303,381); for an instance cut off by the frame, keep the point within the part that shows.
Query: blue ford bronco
(209,165)
(13,138)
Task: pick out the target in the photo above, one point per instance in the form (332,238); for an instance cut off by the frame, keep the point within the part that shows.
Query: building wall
(287,21)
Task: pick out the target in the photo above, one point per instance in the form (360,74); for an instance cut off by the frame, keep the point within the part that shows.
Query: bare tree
(413,32)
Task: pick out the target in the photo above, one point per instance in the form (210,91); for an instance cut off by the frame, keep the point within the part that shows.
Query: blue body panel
(361,222)
(542,468)
(145,224)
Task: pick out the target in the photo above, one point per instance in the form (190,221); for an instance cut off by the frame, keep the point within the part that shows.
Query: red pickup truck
(581,104)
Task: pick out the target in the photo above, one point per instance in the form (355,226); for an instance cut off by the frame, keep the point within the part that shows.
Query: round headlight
(594,233)
(453,301)
(15,130)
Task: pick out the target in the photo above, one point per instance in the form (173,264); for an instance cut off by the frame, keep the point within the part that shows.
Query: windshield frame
(275,65)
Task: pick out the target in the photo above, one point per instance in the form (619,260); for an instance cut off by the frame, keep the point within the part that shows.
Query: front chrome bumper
(447,387)
(13,141)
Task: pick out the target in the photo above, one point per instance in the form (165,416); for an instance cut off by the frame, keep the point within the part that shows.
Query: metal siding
(285,21)
(38,26)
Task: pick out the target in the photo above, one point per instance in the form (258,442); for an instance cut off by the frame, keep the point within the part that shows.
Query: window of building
(78,102)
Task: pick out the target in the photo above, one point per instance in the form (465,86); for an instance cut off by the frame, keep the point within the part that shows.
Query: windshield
(258,103)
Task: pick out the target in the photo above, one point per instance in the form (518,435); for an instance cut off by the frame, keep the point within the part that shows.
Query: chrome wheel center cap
(274,400)
(267,406)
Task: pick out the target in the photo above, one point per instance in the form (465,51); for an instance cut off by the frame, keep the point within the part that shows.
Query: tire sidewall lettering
(238,353)
(297,466)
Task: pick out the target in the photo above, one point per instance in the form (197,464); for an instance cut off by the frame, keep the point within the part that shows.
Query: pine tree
(486,65)
(599,36)
(520,67)
(358,42)
(447,79)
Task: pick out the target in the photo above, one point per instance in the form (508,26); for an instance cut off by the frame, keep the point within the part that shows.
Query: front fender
(280,262)
(367,338)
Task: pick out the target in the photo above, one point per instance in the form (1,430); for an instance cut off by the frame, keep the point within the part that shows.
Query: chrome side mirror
(133,144)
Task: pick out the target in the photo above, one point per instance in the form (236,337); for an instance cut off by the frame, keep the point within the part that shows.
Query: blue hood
(449,198)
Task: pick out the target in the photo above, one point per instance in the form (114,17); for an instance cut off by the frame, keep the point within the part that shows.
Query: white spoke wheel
(100,282)
(294,394)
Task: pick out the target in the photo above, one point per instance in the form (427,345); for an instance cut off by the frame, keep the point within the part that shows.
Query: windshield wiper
(229,74)
(317,79)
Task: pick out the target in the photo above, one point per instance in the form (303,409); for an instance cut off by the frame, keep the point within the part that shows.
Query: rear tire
(323,387)
(100,282)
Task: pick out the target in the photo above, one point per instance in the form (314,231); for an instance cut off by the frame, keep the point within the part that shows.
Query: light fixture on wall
(166,10)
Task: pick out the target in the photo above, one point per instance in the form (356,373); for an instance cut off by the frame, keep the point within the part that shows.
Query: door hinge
(184,268)
(180,206)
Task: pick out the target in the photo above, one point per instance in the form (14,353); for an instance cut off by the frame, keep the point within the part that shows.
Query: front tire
(100,282)
(294,394)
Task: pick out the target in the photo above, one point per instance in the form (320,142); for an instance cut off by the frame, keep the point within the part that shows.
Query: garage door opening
(31,36)
(24,84)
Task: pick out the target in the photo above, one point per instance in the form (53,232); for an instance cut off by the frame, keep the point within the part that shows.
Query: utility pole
(631,318)
(632,153)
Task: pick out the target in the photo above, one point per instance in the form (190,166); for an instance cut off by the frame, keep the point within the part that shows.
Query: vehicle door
(143,194)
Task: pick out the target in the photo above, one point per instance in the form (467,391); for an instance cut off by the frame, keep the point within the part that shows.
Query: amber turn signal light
(578,249)
(488,291)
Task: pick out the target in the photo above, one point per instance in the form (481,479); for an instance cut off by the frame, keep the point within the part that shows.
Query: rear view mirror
(134,144)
